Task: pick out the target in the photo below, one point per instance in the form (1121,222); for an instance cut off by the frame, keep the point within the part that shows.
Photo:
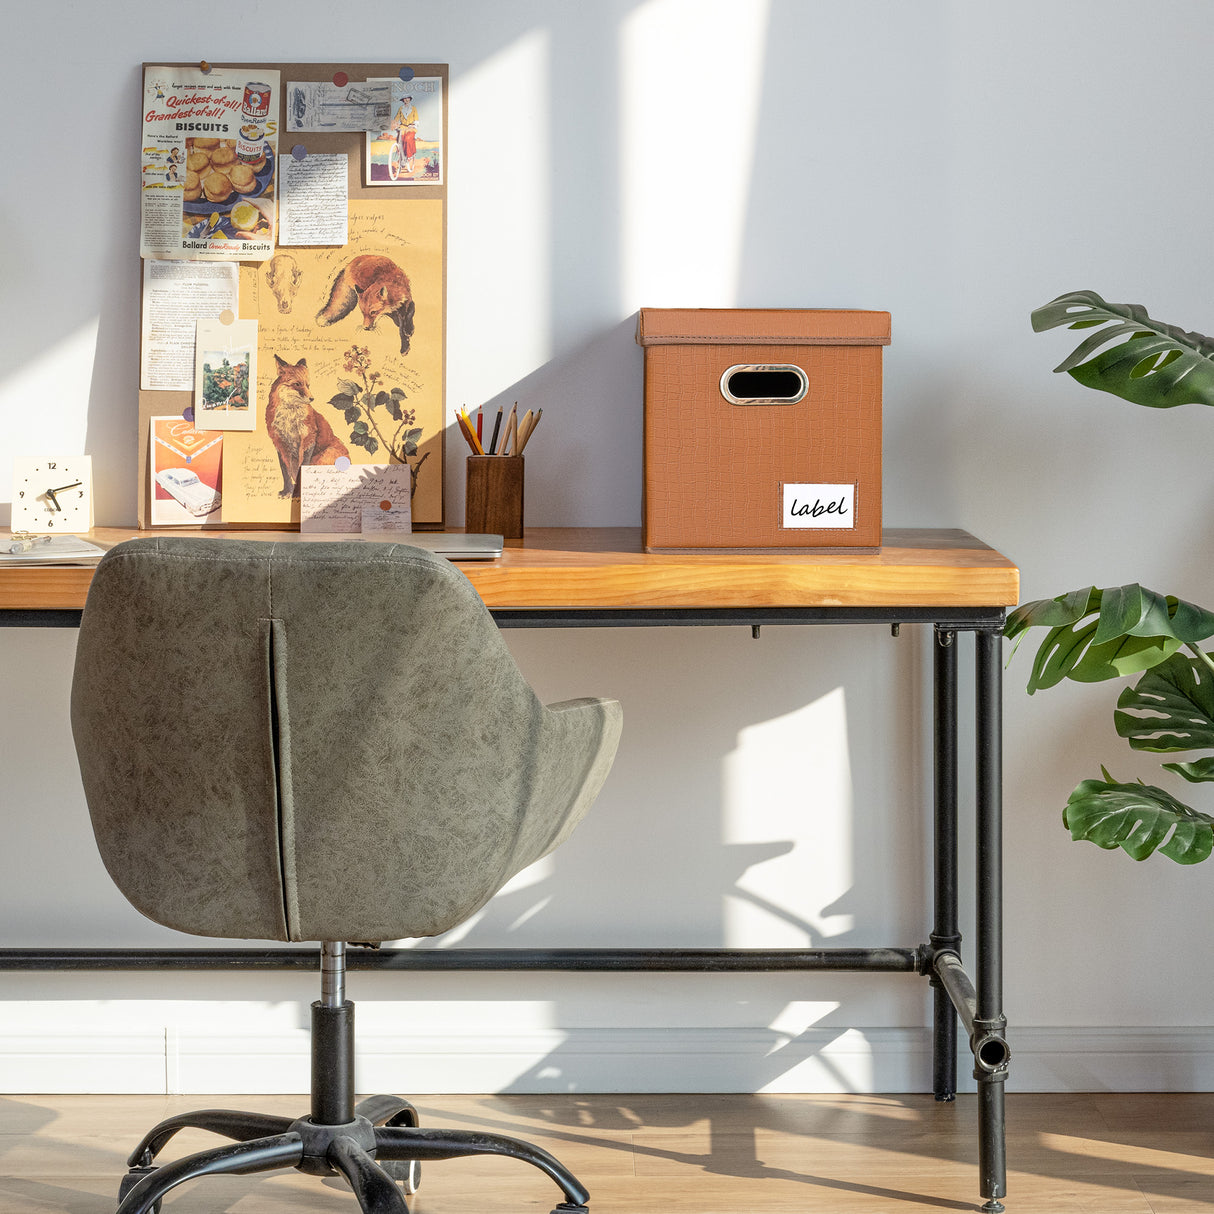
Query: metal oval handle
(764,384)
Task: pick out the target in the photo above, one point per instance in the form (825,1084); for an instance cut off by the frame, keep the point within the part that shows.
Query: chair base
(379,1153)
(376,1144)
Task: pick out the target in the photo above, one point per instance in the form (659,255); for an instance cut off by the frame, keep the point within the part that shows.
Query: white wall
(957,163)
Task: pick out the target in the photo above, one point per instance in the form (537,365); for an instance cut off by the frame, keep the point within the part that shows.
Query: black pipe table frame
(977,1002)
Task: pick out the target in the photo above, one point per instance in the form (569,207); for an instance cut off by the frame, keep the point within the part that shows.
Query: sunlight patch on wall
(500,251)
(685,185)
(45,403)
(788,798)
(801,1014)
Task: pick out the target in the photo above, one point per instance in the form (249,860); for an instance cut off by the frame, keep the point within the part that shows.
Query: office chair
(318,741)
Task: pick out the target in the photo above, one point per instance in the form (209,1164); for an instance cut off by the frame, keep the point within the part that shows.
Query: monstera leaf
(1151,364)
(1140,819)
(1170,708)
(1106,634)
(1096,634)
(1198,772)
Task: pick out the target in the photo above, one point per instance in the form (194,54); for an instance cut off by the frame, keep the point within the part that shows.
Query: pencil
(463,429)
(476,442)
(511,422)
(497,425)
(526,438)
(521,433)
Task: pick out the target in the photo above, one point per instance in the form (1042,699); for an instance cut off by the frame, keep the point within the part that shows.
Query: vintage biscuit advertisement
(208,161)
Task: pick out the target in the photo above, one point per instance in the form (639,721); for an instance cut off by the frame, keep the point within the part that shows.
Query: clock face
(53,495)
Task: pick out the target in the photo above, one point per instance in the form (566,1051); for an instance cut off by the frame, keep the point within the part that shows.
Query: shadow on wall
(765,835)
(587,454)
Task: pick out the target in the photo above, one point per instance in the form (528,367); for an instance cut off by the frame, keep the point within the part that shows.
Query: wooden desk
(571,577)
(603,568)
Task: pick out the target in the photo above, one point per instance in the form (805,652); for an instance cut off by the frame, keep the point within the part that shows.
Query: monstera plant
(1126,631)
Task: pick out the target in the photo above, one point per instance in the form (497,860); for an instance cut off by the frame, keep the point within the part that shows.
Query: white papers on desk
(51,550)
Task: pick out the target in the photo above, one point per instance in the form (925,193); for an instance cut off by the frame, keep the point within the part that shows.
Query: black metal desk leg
(945,931)
(989,1041)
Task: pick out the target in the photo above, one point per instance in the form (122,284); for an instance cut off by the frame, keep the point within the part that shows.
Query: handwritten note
(333,499)
(315,206)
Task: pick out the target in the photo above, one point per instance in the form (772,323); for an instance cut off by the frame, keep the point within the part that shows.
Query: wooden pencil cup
(493,501)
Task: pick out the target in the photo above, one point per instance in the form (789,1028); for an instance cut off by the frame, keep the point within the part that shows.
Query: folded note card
(333,499)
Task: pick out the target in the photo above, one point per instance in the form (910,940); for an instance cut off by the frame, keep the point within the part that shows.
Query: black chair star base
(376,1144)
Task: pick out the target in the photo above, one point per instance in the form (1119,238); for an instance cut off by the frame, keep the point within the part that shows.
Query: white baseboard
(601,1060)
(1112,1059)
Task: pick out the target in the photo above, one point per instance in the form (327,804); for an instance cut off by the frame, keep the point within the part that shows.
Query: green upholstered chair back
(316,741)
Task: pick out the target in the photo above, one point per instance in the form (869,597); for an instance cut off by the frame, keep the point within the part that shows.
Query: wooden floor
(1146,1154)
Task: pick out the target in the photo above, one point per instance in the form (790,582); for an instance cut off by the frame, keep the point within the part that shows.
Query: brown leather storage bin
(762,428)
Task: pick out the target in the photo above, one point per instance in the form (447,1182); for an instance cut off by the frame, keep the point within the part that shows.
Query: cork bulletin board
(293,285)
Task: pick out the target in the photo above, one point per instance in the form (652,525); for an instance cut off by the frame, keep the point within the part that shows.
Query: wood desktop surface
(605,567)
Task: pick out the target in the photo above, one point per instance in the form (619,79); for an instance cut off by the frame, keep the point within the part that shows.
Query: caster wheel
(407,1171)
(131,1179)
(568,1208)
(407,1117)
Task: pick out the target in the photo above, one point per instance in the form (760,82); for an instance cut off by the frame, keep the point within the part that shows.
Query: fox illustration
(300,435)
(378,286)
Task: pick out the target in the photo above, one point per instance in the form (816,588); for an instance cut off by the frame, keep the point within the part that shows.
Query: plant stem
(414,469)
(395,436)
(1205,657)
(367,409)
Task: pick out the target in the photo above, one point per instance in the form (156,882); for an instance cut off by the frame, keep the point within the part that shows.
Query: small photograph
(225,375)
(186,468)
(225,380)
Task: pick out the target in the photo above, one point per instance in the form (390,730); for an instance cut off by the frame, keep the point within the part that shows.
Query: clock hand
(54,501)
(73,485)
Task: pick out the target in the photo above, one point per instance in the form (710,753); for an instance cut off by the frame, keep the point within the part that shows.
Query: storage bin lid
(762,327)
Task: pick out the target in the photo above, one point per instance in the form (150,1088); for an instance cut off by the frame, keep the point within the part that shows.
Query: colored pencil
(469,438)
(476,442)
